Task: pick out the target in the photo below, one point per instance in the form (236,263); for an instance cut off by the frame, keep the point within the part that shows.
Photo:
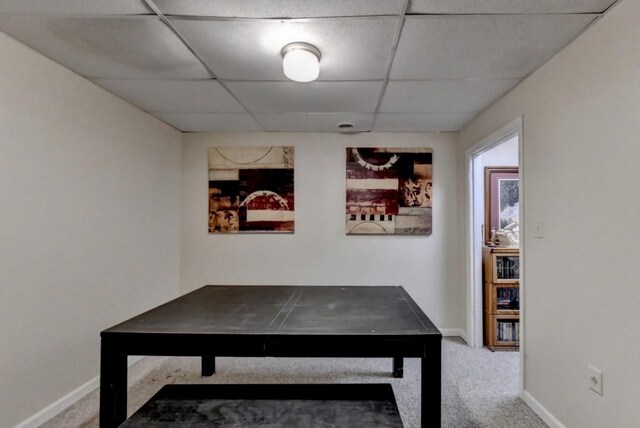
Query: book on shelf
(507,298)
(508,331)
(507,267)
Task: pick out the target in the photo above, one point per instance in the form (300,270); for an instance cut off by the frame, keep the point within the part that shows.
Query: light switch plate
(538,231)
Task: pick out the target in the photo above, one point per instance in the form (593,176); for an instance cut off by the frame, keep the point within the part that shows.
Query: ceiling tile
(351,48)
(133,47)
(75,7)
(425,122)
(279,8)
(427,96)
(281,97)
(481,46)
(209,122)
(315,122)
(508,6)
(186,96)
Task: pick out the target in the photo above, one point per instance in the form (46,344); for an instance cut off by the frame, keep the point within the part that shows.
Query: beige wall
(89,225)
(319,252)
(582,180)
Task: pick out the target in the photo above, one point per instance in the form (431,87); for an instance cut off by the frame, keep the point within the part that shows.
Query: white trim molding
(474,290)
(55,408)
(544,414)
(58,406)
(457,332)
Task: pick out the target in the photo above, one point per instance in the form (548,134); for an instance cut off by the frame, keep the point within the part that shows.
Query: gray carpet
(479,388)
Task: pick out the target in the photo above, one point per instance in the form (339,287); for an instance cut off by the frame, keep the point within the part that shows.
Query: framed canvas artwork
(251,189)
(389,191)
(501,198)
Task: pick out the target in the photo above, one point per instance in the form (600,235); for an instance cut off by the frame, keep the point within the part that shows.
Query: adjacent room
(358,213)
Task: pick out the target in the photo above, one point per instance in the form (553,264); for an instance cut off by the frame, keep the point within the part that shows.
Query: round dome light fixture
(301,62)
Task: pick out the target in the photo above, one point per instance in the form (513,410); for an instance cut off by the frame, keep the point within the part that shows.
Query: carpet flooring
(479,388)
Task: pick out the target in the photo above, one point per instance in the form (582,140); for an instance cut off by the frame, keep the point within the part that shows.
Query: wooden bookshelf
(501,272)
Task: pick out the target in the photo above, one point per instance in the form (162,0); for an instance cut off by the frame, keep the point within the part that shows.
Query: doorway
(504,148)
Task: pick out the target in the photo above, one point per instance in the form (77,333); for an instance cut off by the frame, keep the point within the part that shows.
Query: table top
(285,310)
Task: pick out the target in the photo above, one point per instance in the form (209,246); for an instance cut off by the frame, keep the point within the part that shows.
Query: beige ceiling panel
(508,6)
(482,46)
(209,122)
(422,122)
(187,96)
(351,48)
(279,8)
(315,122)
(75,7)
(324,97)
(426,96)
(132,47)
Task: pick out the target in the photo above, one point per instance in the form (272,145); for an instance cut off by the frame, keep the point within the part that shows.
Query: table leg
(208,365)
(398,367)
(431,389)
(113,387)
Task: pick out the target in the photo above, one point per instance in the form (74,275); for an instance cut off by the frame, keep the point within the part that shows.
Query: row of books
(507,298)
(508,331)
(508,267)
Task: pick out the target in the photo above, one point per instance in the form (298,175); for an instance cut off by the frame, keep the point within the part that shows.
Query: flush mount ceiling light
(301,62)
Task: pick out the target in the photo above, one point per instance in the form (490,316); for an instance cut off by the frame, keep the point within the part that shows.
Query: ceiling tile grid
(325,97)
(513,7)
(422,122)
(76,7)
(177,96)
(138,47)
(444,96)
(482,46)
(315,122)
(208,122)
(216,65)
(350,48)
(279,8)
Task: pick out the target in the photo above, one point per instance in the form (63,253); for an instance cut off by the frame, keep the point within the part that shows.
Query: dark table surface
(285,310)
(276,321)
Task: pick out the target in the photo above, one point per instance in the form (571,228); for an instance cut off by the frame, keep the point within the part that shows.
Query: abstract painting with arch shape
(389,191)
(251,189)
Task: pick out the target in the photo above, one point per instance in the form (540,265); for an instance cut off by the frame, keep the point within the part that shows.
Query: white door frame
(474,289)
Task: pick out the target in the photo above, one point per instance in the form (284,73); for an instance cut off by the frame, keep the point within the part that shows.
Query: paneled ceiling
(386,65)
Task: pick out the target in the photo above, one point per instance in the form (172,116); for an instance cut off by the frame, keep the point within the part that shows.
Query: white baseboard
(542,411)
(55,408)
(455,332)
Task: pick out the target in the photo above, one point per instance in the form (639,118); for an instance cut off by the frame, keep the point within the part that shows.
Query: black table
(276,321)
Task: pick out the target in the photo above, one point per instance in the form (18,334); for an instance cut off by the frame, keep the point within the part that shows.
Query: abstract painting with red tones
(251,189)
(389,191)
